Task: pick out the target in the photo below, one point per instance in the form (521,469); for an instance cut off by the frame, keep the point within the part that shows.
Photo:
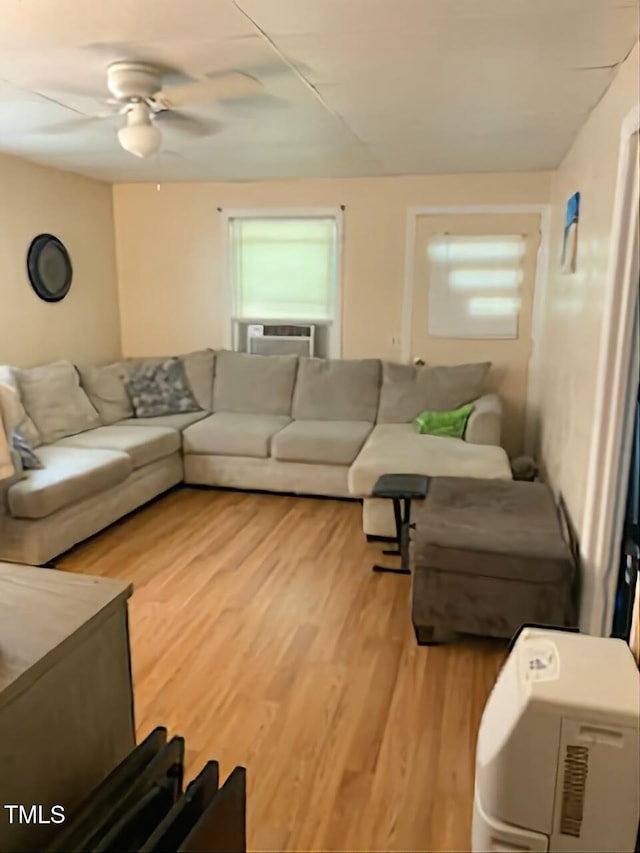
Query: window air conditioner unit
(557,765)
(281,339)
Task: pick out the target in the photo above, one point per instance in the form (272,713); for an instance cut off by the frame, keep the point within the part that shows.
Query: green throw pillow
(451,424)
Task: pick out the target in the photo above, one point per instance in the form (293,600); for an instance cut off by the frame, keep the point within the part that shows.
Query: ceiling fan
(138,95)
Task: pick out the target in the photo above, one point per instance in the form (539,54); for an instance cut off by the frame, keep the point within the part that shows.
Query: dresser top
(42,611)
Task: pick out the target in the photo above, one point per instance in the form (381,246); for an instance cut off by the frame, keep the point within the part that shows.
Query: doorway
(616,402)
(629,561)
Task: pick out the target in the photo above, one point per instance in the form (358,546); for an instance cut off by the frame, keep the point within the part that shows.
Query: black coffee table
(401,489)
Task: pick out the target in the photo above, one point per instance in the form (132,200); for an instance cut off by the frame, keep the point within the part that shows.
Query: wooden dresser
(66,698)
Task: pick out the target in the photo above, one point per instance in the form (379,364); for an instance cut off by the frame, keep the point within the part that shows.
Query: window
(475,285)
(284,268)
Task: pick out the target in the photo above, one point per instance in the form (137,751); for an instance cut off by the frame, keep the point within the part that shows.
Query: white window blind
(284,268)
(474,285)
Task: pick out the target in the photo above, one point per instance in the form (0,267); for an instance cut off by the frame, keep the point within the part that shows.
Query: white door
(473,301)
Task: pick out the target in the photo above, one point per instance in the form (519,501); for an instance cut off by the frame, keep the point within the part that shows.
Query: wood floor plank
(259,633)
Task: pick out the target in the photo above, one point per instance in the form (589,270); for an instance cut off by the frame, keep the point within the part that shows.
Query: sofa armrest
(485,422)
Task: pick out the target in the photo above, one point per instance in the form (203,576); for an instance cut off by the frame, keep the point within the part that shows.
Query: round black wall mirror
(49,268)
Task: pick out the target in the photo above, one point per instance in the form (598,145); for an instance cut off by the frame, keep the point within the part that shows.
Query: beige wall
(573,304)
(169,251)
(85,326)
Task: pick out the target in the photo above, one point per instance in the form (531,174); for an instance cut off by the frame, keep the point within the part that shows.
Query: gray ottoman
(486,557)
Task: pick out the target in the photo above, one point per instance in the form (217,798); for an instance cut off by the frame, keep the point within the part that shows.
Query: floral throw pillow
(161,389)
(28,457)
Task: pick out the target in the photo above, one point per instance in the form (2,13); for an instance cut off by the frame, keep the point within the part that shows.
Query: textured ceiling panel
(520,143)
(477,102)
(540,45)
(304,17)
(69,23)
(348,87)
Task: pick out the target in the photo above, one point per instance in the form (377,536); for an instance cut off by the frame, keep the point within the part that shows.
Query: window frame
(227,215)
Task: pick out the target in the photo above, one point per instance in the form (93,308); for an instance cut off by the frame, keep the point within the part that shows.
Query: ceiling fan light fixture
(139,136)
(140,139)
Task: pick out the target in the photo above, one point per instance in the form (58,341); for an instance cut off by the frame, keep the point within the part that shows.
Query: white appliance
(557,761)
(280,339)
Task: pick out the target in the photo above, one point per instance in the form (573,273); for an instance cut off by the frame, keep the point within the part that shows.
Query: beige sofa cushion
(399,449)
(69,475)
(234,434)
(106,390)
(142,444)
(199,367)
(336,390)
(407,390)
(14,414)
(324,442)
(179,422)
(260,384)
(54,400)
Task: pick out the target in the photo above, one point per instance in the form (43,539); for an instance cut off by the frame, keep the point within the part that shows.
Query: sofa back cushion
(254,384)
(408,390)
(105,387)
(14,415)
(54,400)
(199,367)
(337,390)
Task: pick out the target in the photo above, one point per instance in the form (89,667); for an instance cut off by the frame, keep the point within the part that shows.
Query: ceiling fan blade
(250,104)
(78,88)
(219,88)
(78,123)
(187,124)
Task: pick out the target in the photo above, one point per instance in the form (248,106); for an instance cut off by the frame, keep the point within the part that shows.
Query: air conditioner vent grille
(576,768)
(281,346)
(287,331)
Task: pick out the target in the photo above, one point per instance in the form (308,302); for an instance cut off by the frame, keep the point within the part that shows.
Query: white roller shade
(284,268)
(475,284)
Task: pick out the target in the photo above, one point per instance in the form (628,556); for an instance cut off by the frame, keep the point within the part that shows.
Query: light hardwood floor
(260,634)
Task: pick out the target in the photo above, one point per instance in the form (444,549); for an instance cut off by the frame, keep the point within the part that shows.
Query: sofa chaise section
(399,449)
(395,447)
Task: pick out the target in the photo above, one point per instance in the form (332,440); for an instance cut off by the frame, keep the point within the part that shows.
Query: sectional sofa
(275,423)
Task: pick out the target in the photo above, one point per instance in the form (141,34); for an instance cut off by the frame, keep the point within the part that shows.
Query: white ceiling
(351,87)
